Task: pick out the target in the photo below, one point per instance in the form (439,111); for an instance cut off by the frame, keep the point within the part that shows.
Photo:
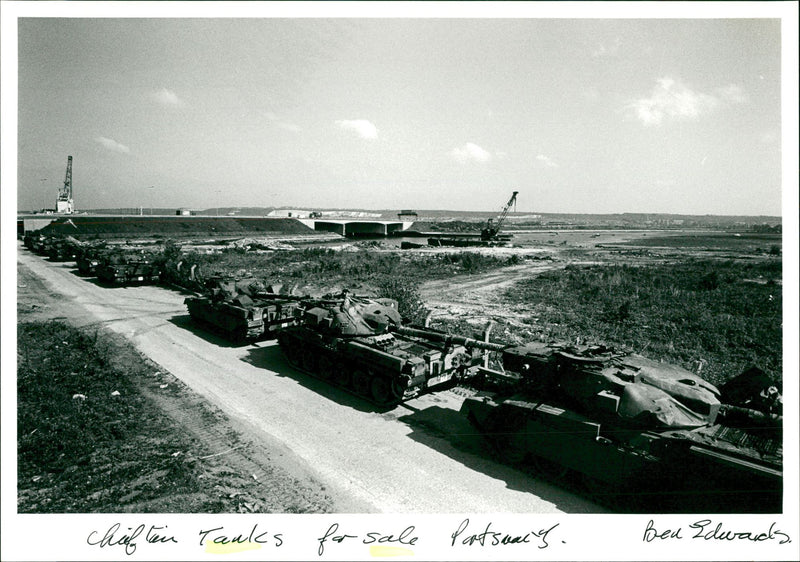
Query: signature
(705,529)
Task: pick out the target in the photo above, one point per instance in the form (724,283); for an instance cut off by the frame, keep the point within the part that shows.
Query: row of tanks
(115,265)
(356,343)
(635,434)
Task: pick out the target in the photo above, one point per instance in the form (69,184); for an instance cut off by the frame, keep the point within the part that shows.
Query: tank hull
(385,370)
(132,273)
(629,470)
(242,323)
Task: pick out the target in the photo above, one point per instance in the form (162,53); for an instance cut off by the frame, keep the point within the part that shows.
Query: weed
(324,266)
(698,310)
(88,439)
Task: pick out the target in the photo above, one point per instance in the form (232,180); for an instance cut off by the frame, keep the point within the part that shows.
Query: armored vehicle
(88,258)
(128,268)
(39,243)
(359,344)
(33,241)
(242,309)
(62,248)
(645,436)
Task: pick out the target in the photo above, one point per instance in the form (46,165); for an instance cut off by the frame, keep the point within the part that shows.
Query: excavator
(492,229)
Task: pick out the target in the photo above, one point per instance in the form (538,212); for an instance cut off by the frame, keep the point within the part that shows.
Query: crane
(493,229)
(64,201)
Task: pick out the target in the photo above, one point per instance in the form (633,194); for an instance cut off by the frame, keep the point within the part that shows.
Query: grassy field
(319,270)
(745,243)
(91,437)
(725,314)
(722,314)
(320,265)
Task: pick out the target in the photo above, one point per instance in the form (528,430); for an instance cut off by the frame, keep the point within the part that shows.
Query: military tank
(63,248)
(128,268)
(359,344)
(243,309)
(639,435)
(40,243)
(88,258)
(34,241)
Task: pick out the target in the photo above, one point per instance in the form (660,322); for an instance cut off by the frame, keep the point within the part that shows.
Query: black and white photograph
(407,280)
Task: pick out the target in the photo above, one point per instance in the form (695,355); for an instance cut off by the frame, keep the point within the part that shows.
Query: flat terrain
(420,457)
(272,439)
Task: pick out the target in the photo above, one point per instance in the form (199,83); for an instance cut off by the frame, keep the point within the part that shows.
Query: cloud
(288,127)
(279,123)
(167,97)
(672,99)
(113,145)
(361,127)
(769,137)
(469,152)
(733,94)
(546,161)
(606,50)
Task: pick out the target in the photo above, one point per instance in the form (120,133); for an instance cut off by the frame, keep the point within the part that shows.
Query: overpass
(357,227)
(166,224)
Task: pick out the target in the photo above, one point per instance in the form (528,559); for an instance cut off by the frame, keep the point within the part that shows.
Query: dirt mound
(110,226)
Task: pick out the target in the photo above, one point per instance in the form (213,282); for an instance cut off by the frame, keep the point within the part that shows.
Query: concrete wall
(27,224)
(365,229)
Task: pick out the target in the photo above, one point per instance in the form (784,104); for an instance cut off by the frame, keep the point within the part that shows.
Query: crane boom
(492,229)
(502,218)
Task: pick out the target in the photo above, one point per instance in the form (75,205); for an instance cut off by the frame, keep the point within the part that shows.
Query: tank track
(236,336)
(360,379)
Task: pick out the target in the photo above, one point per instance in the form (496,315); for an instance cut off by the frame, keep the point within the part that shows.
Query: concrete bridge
(357,227)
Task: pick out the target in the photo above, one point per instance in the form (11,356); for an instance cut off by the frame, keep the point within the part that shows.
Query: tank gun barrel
(278,296)
(448,338)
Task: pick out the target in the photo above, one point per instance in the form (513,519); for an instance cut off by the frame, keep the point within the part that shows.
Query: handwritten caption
(709,530)
(464,534)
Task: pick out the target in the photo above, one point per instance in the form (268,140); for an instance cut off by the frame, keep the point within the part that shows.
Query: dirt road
(421,457)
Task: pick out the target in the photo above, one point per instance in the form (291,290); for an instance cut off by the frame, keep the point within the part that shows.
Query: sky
(578,115)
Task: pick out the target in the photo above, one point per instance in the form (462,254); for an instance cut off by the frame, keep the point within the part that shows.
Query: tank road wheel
(291,351)
(341,375)
(549,469)
(513,454)
(361,382)
(326,368)
(383,392)
(310,363)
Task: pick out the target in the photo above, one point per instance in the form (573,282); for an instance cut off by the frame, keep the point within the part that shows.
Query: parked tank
(88,258)
(33,241)
(63,248)
(128,268)
(243,309)
(39,243)
(650,435)
(358,344)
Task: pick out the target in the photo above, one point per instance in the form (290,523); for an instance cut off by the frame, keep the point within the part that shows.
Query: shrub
(406,293)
